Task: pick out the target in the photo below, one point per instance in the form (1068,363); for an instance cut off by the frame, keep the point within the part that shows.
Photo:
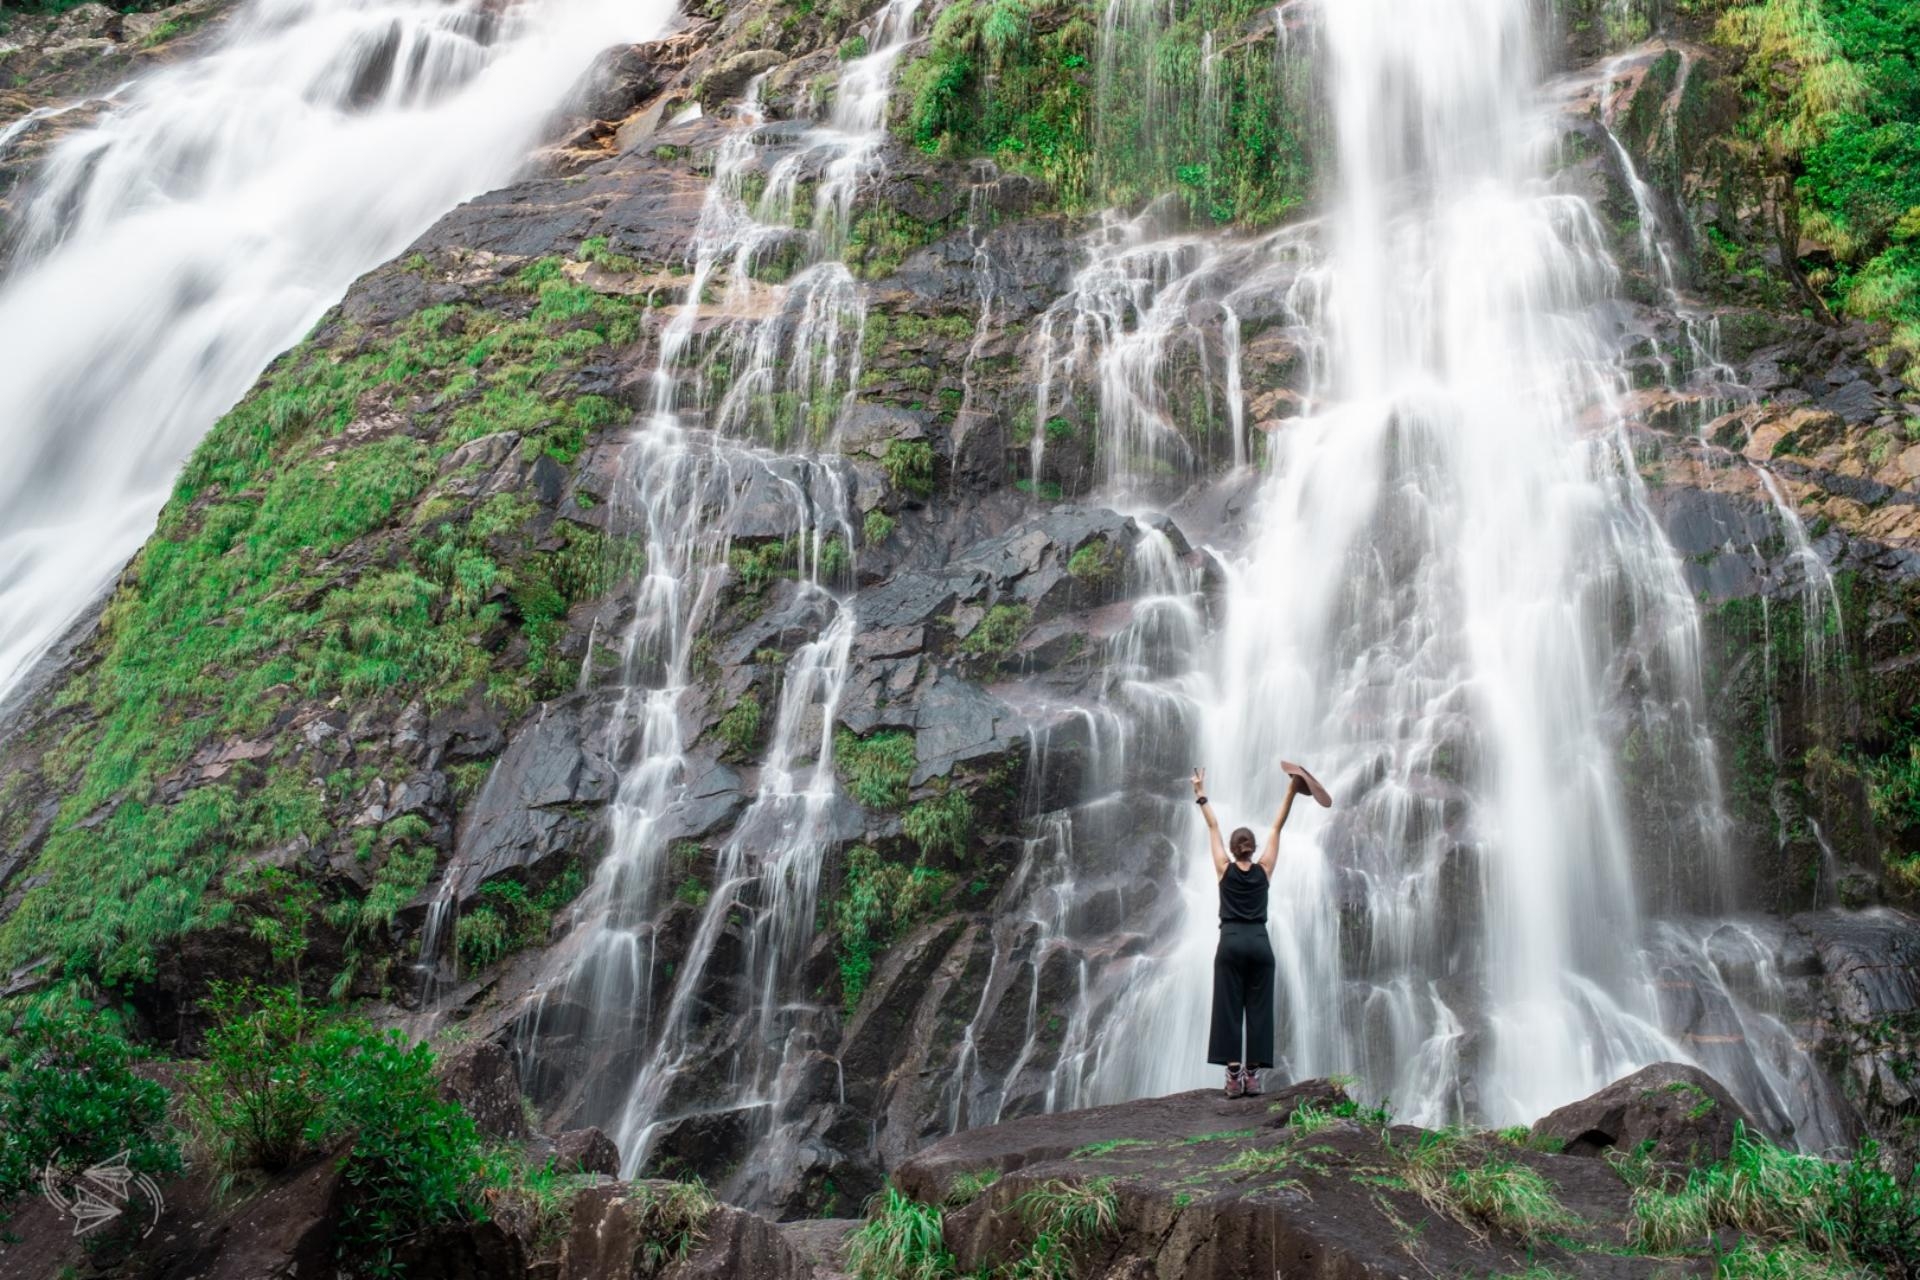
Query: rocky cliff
(364,715)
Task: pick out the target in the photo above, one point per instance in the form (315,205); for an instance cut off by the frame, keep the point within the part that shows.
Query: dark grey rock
(1676,1113)
(482,1078)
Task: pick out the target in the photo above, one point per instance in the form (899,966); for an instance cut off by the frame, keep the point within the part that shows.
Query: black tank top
(1243,895)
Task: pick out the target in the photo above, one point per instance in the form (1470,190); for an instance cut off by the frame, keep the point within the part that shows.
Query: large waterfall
(1449,595)
(167,253)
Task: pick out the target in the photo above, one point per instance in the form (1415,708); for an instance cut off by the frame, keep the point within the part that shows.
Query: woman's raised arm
(1271,857)
(1215,844)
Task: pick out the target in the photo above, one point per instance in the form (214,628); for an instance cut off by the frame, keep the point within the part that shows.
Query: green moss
(298,563)
(1096,563)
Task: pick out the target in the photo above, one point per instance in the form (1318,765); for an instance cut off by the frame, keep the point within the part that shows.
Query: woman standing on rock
(1243,964)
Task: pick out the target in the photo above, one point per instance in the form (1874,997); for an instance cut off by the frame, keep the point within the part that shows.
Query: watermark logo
(102,1194)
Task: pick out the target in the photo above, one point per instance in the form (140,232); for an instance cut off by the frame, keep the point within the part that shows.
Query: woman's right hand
(1199,782)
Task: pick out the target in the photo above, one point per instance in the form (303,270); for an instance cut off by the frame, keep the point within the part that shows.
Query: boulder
(586,1151)
(483,1079)
(729,77)
(1676,1113)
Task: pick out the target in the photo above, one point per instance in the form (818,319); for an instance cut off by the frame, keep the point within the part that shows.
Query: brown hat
(1313,784)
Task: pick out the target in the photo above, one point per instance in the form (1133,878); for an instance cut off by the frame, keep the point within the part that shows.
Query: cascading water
(746,395)
(167,253)
(1454,602)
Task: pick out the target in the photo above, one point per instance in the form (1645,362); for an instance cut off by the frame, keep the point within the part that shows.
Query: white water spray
(168,252)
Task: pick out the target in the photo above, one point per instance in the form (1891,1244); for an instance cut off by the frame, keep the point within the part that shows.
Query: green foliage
(909,464)
(878,902)
(264,585)
(283,1080)
(1833,93)
(940,824)
(1853,1214)
(876,769)
(507,918)
(968,1187)
(877,527)
(755,566)
(1016,80)
(69,1099)
(414,1160)
(994,639)
(258,1101)
(901,1240)
(739,728)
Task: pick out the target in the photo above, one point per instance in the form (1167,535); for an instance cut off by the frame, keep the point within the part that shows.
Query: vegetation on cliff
(1114,114)
(1832,126)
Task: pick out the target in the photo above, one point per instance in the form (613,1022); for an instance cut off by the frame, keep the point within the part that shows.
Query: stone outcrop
(1670,1112)
(1295,1182)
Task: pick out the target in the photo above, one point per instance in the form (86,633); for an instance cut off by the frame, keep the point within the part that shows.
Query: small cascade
(1705,372)
(749,392)
(1822,619)
(1139,343)
(167,252)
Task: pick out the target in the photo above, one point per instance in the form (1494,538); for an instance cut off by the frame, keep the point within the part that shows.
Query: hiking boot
(1250,1082)
(1236,1083)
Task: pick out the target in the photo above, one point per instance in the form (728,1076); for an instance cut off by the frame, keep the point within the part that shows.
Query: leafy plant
(258,1100)
(69,1100)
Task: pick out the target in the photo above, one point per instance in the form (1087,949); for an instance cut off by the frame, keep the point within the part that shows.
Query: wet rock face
(1674,1113)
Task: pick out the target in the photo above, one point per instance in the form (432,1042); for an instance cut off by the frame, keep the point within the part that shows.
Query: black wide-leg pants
(1242,996)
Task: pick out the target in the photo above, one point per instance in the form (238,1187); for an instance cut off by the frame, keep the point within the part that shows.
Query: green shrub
(284,1080)
(877,528)
(415,1159)
(259,1101)
(69,1099)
